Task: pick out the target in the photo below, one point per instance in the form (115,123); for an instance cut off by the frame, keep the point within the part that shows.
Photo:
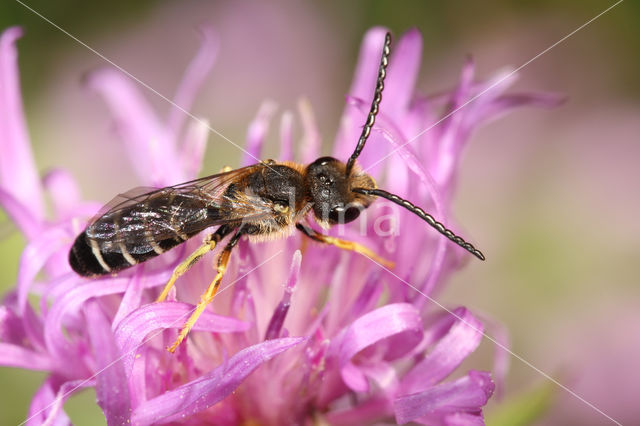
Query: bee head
(330,187)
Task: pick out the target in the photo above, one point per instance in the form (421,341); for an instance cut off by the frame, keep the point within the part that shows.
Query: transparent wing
(141,216)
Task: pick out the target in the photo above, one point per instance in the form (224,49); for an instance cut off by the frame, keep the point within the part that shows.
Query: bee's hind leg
(343,244)
(208,295)
(209,244)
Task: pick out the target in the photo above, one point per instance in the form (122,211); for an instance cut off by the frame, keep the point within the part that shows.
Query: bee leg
(343,244)
(209,244)
(208,295)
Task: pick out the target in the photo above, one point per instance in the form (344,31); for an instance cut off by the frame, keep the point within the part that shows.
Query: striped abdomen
(126,237)
(87,259)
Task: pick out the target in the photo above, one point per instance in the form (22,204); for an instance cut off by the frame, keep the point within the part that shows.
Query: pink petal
(286,137)
(501,355)
(74,291)
(63,191)
(362,87)
(366,73)
(365,412)
(467,117)
(368,296)
(192,80)
(399,322)
(193,147)
(46,406)
(311,139)
(389,131)
(112,390)
(33,327)
(450,129)
(132,297)
(275,324)
(34,257)
(23,330)
(212,387)
(134,328)
(383,374)
(402,74)
(505,103)
(20,214)
(467,394)
(18,173)
(151,150)
(11,327)
(257,133)
(463,338)
(16,356)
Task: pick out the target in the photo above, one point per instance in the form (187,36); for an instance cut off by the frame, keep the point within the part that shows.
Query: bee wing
(121,201)
(141,216)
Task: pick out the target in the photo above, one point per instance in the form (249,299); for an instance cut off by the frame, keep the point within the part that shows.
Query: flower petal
(17,356)
(20,214)
(366,73)
(72,293)
(368,296)
(387,128)
(501,353)
(280,313)
(46,406)
(463,338)
(132,297)
(257,133)
(504,103)
(134,328)
(211,388)
(402,73)
(399,322)
(23,330)
(362,86)
(465,395)
(194,76)
(18,172)
(365,412)
(193,147)
(64,192)
(11,327)
(151,150)
(34,257)
(311,139)
(111,383)
(286,137)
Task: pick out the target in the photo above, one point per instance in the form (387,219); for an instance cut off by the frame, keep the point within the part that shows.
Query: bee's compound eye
(342,214)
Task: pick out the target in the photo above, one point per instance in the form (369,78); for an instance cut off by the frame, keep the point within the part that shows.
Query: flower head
(299,332)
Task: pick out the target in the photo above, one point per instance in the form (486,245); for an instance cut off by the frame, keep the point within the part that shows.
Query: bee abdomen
(87,259)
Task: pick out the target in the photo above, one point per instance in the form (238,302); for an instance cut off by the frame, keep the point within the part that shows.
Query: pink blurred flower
(366,348)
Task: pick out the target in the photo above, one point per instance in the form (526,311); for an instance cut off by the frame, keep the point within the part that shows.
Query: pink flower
(304,332)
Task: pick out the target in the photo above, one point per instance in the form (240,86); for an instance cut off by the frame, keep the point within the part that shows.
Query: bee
(262,201)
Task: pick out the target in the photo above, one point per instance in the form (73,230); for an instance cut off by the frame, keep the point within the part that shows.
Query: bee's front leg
(343,244)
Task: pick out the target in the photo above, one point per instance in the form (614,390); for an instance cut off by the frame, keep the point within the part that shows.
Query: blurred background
(551,196)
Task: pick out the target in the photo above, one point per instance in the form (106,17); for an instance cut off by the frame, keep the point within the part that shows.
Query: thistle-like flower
(299,333)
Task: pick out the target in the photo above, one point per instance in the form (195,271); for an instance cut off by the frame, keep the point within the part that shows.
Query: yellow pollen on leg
(184,267)
(205,299)
(358,248)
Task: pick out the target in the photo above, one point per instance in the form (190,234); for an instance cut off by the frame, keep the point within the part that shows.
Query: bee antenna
(424,216)
(377,97)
